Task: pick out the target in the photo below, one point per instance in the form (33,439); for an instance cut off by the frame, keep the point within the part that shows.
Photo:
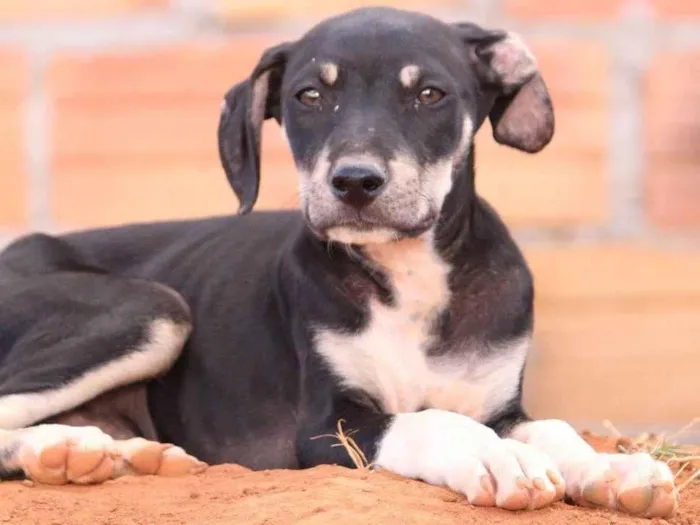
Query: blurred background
(108,113)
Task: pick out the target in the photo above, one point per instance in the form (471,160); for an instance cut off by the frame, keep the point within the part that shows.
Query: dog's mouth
(359,230)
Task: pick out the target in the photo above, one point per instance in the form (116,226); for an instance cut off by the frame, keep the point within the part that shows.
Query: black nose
(357,185)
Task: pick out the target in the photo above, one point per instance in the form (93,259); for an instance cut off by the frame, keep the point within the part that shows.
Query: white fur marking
(153,357)
(409,75)
(312,186)
(329,73)
(444,448)
(348,235)
(465,141)
(388,359)
(556,438)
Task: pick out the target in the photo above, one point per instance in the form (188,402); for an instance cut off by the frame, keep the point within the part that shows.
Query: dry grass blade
(352,448)
(683,459)
(695,477)
(681,470)
(685,429)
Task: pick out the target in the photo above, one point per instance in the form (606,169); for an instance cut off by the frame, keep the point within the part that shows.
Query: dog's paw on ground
(507,474)
(635,484)
(140,456)
(58,455)
(525,478)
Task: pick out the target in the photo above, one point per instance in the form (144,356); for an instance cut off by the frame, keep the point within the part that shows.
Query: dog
(394,302)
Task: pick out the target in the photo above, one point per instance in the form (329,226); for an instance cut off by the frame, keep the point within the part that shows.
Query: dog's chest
(389,358)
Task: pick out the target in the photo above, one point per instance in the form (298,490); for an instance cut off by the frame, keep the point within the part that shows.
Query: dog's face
(380,107)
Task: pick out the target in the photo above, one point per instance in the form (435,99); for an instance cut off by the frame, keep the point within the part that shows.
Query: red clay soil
(325,495)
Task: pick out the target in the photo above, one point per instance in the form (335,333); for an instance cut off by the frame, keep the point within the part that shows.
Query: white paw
(505,474)
(140,456)
(59,454)
(635,484)
(449,449)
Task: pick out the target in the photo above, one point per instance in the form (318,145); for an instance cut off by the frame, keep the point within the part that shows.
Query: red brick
(579,10)
(267,10)
(566,183)
(672,126)
(677,9)
(140,127)
(611,320)
(598,10)
(14,78)
(613,272)
(55,9)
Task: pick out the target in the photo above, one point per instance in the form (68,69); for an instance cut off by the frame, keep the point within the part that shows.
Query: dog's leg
(60,454)
(69,335)
(632,483)
(443,448)
(67,338)
(88,335)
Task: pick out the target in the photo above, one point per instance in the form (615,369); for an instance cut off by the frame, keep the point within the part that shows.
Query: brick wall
(108,113)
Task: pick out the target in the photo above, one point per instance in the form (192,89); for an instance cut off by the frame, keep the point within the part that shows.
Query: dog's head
(380,108)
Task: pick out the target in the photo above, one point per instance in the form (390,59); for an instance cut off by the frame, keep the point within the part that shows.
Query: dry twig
(353,449)
(664,449)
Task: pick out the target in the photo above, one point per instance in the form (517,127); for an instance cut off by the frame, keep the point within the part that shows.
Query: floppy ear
(245,107)
(521,115)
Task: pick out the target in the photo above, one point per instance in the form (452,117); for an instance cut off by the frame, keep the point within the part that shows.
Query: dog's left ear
(245,107)
(522,115)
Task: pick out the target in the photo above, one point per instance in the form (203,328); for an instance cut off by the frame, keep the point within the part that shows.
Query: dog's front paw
(511,475)
(635,484)
(444,448)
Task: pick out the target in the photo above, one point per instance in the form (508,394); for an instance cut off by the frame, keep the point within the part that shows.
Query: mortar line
(36,142)
(631,48)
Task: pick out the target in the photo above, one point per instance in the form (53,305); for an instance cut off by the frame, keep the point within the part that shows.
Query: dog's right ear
(517,101)
(245,107)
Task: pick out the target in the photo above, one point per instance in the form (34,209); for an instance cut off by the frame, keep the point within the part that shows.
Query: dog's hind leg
(72,344)
(68,339)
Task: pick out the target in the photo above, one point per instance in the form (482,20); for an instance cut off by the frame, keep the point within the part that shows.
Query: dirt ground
(325,495)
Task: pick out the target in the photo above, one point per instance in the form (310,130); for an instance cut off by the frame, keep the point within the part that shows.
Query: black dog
(395,302)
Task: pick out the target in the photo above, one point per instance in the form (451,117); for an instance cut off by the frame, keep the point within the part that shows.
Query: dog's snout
(357,185)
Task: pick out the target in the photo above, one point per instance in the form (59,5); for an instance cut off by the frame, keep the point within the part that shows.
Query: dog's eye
(310,97)
(430,96)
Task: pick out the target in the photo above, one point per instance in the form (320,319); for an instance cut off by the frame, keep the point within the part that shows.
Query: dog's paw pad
(150,458)
(524,477)
(52,456)
(634,484)
(518,499)
(56,455)
(664,502)
(485,493)
(177,462)
(558,483)
(636,500)
(143,456)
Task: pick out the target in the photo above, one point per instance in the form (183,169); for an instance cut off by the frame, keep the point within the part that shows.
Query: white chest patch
(389,358)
